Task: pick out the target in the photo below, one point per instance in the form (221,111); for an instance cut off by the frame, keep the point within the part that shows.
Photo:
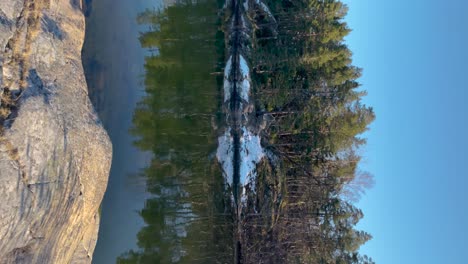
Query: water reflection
(113,60)
(283,118)
(188,219)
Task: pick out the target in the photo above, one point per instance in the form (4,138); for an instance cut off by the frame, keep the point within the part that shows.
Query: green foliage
(186,219)
(305,83)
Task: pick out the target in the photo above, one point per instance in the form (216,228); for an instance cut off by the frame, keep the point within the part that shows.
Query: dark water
(155,78)
(113,60)
(187,218)
(234,131)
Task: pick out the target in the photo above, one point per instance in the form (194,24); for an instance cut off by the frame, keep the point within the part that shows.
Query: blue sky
(414,55)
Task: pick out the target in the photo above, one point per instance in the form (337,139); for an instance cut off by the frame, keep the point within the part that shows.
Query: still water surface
(155,75)
(172,80)
(114,59)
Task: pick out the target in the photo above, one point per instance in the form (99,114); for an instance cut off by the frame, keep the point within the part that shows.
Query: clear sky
(415,56)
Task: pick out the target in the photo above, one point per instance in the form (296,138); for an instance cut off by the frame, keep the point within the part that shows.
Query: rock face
(54,154)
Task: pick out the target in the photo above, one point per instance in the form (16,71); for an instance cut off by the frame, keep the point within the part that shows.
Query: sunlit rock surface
(54,154)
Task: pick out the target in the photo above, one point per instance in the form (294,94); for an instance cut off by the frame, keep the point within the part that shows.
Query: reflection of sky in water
(185,208)
(115,87)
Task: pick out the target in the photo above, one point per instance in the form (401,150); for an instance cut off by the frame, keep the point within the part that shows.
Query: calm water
(156,79)
(234,132)
(114,62)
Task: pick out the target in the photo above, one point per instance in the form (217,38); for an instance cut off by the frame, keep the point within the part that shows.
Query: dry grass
(7,103)
(21,43)
(12,151)
(20,49)
(4,113)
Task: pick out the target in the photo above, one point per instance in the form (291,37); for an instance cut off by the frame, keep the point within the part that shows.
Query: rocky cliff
(54,154)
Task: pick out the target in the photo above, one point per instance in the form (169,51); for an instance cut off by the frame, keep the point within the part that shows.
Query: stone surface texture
(54,154)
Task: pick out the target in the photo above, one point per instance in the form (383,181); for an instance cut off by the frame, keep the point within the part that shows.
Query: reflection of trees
(305,86)
(187,220)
